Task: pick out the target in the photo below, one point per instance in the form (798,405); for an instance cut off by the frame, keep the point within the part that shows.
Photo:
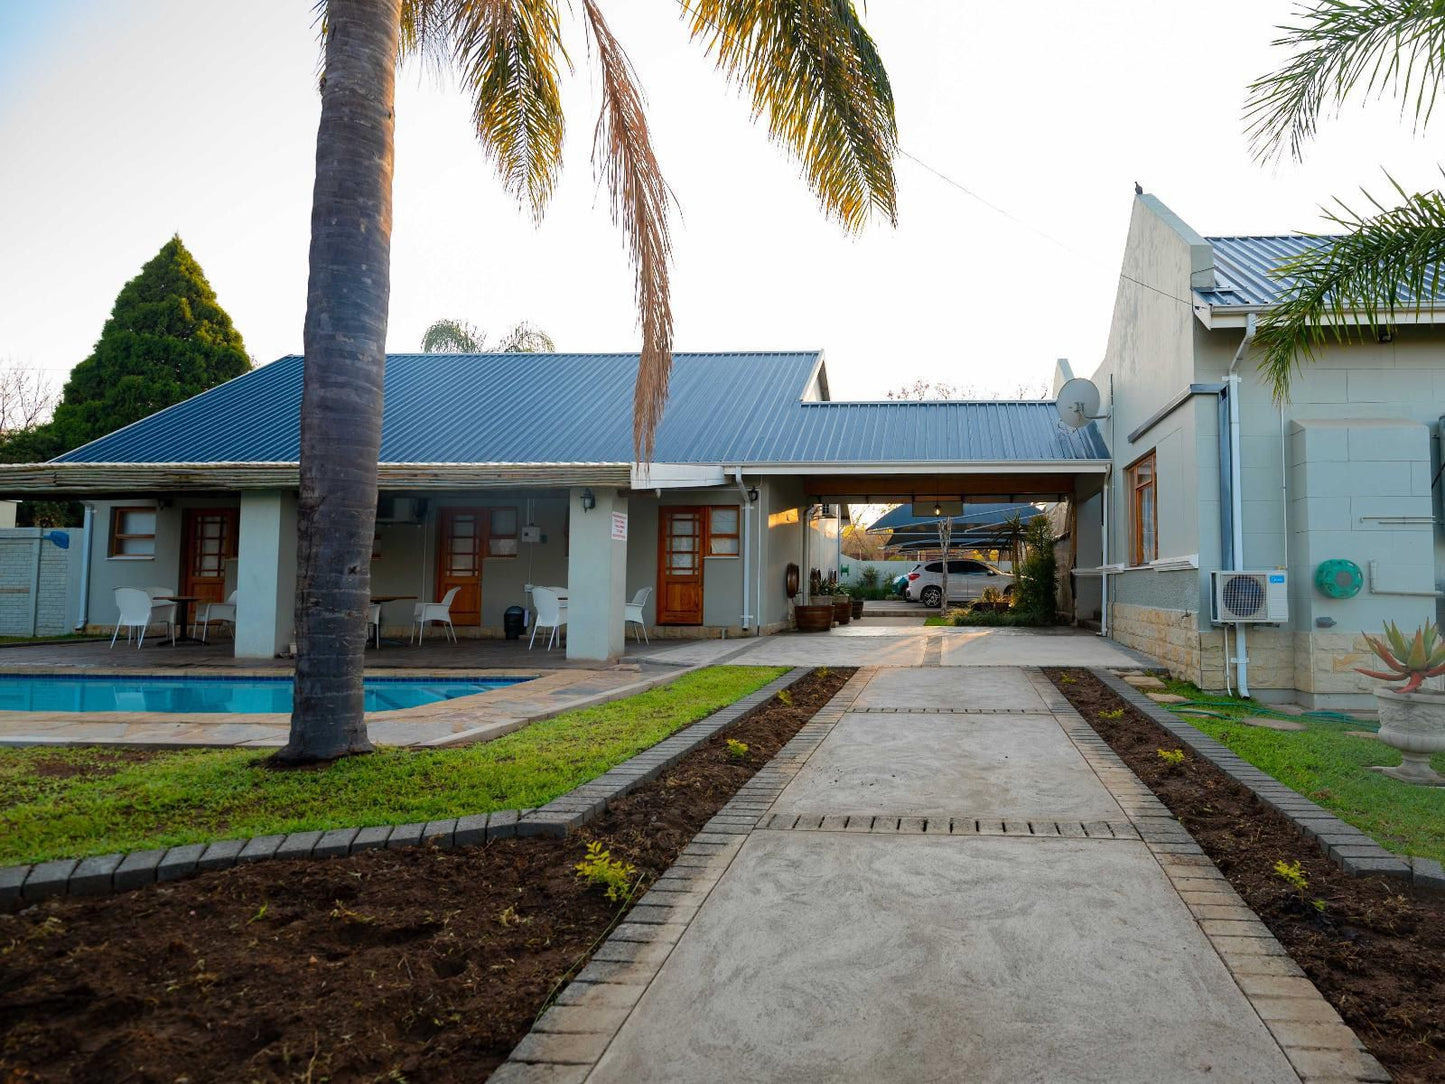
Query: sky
(123,123)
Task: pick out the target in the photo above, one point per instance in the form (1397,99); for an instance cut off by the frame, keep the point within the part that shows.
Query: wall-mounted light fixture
(589,502)
(752,494)
(937,509)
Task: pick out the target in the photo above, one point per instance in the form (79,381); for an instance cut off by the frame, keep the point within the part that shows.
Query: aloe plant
(1409,660)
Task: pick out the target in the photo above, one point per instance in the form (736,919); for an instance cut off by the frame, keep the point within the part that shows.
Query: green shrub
(1036,596)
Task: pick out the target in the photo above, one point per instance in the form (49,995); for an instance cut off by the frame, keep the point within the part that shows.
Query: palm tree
(459,337)
(811,71)
(1387,255)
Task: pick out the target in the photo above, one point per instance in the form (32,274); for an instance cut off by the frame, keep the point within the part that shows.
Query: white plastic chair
(551,612)
(425,612)
(633,613)
(217,611)
(373,621)
(139,611)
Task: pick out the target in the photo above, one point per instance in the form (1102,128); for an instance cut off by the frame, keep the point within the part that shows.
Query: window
(722,531)
(502,538)
(132,532)
(1143,512)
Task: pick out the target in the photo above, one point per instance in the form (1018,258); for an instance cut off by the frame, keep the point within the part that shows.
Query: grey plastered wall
(782,507)
(1150,360)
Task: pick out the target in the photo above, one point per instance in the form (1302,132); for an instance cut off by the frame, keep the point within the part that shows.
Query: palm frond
(1375,47)
(641,202)
(526,338)
(814,73)
(453,337)
(507,55)
(1386,261)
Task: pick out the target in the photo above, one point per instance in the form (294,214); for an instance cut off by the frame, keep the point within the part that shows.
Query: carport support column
(265,574)
(597,575)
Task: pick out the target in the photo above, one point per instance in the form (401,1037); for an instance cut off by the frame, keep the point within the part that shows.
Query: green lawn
(1328,765)
(57,803)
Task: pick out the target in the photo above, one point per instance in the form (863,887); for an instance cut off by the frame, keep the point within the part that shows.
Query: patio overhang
(118,479)
(1004,482)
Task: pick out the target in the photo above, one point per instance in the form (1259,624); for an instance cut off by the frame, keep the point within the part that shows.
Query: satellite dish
(1078,402)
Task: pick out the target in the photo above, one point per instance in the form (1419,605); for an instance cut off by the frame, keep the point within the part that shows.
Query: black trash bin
(514,622)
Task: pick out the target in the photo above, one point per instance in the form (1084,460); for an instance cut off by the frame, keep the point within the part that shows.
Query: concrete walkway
(954,881)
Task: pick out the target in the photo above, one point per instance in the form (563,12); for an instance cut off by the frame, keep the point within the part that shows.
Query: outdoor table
(382,600)
(183,614)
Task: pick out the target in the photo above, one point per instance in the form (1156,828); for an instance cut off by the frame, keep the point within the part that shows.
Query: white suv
(966,580)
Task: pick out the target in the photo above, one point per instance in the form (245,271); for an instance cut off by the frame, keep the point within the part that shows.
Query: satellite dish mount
(1078,403)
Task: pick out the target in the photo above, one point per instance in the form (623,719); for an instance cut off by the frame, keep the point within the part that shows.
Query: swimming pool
(224,695)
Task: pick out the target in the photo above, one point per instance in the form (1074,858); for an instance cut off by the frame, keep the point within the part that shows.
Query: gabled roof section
(483,408)
(1243,266)
(903,432)
(740,409)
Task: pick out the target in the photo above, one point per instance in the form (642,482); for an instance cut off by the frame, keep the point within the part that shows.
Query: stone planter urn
(1413,723)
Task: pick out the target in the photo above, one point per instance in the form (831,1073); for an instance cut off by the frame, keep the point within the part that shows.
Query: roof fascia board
(677,475)
(1026,466)
(1219,316)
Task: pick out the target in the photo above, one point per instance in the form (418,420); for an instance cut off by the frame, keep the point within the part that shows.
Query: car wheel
(931,596)
(1008,592)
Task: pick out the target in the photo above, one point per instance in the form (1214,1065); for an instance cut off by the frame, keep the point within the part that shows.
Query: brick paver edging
(569,1039)
(100,875)
(1344,844)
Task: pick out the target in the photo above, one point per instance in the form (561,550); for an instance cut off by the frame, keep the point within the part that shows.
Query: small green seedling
(1172,758)
(601,869)
(1117,713)
(822,672)
(737,749)
(1291,874)
(786,697)
(1068,679)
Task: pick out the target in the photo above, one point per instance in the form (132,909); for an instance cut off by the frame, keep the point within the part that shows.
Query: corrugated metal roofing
(974,515)
(1243,265)
(735,408)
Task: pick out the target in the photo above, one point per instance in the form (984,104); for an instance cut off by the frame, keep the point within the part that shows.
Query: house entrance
(461,541)
(209,542)
(679,574)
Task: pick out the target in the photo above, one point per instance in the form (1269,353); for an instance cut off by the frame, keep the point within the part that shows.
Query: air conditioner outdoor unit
(1256,597)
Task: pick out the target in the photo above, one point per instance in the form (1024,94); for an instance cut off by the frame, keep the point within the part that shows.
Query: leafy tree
(460,337)
(812,73)
(1038,598)
(1387,257)
(167,339)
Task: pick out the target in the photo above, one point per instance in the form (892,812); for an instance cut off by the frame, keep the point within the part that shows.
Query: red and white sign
(619,526)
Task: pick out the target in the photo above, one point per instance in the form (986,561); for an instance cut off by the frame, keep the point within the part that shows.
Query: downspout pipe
(82,618)
(745,529)
(1236,500)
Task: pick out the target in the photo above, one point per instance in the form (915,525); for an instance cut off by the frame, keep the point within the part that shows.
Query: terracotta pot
(842,609)
(815,618)
(1413,723)
(857,608)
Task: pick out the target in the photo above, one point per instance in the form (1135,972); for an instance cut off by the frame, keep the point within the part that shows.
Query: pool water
(188,695)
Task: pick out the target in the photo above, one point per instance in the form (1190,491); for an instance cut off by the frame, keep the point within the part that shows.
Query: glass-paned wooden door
(461,541)
(210,542)
(680,549)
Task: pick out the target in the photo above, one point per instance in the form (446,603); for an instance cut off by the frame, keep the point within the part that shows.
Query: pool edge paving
(573,1037)
(24,884)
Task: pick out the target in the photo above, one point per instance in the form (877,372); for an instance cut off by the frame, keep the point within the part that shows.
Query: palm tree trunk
(341,401)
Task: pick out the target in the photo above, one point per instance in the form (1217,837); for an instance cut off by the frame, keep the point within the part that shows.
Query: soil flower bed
(415,965)
(1375,949)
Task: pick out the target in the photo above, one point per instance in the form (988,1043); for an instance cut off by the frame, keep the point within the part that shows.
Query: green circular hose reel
(1339,578)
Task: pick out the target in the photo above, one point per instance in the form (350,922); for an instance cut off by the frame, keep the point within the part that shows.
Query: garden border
(100,875)
(1344,844)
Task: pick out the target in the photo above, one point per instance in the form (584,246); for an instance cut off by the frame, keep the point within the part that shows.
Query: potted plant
(817,615)
(1412,719)
(856,594)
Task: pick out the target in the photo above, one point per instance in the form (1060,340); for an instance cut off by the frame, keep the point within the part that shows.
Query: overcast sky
(124,121)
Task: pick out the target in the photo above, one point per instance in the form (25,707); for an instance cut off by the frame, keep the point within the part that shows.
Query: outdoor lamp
(752,494)
(589,502)
(937,509)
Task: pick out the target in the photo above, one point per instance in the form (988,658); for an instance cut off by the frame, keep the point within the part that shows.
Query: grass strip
(71,802)
(1329,764)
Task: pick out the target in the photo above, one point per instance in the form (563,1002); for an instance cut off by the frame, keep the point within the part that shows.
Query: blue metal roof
(724,408)
(974,515)
(1243,266)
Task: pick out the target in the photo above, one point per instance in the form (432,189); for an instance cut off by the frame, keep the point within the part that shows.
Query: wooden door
(679,574)
(461,541)
(209,542)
